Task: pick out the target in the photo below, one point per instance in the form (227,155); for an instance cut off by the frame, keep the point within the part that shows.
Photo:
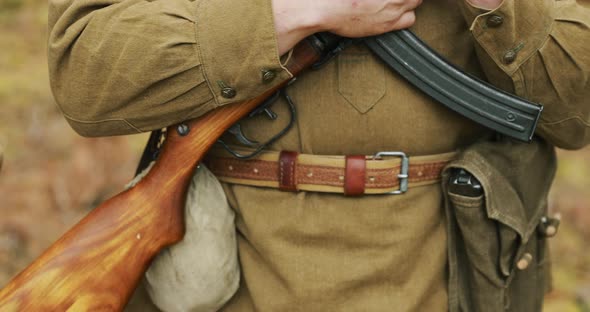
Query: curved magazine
(465,94)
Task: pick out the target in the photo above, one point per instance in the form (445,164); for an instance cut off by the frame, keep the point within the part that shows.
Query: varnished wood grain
(98,263)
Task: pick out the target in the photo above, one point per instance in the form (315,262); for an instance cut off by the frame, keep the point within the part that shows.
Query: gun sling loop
(151,150)
(424,68)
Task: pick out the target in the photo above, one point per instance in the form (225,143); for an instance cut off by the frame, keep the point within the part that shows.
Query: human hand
(486,4)
(360,18)
(295,20)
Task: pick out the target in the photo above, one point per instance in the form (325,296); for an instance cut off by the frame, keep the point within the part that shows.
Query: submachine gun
(98,263)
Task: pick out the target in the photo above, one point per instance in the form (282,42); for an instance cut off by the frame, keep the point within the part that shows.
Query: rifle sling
(150,151)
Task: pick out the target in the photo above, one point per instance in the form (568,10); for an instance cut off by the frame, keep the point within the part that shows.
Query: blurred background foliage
(52,177)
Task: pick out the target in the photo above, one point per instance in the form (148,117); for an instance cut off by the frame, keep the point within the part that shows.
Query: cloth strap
(350,175)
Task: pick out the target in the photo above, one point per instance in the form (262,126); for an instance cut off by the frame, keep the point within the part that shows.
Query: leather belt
(386,172)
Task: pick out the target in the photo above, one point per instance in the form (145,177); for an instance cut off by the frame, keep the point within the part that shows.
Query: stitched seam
(292,170)
(276,56)
(199,52)
(281,175)
(577,118)
(102,121)
(516,65)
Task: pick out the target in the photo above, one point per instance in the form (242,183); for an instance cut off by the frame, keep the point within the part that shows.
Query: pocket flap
(516,178)
(361,78)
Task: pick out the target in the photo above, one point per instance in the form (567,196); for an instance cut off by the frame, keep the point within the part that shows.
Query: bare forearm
(295,20)
(486,4)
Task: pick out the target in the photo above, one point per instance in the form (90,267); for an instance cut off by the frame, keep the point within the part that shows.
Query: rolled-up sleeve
(541,51)
(120,67)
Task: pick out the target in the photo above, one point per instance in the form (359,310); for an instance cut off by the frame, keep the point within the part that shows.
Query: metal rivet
(310,174)
(268,75)
(509,57)
(226,91)
(420,173)
(494,21)
(510,116)
(255,170)
(341,178)
(183,129)
(372,179)
(524,262)
(230,168)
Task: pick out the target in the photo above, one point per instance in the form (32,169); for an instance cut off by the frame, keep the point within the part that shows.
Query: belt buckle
(403,175)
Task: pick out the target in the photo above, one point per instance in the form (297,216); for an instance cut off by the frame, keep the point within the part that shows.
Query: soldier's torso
(356,105)
(326,252)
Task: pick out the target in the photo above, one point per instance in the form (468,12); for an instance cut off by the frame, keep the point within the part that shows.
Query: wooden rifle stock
(98,263)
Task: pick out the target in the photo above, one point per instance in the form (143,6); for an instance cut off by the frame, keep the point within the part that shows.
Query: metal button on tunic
(549,225)
(268,75)
(494,21)
(524,262)
(509,57)
(226,91)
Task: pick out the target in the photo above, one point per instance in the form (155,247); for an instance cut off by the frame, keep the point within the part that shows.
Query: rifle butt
(98,263)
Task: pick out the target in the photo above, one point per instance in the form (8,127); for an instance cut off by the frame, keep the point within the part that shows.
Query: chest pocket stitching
(361,78)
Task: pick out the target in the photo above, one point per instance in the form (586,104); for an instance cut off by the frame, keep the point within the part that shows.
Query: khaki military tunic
(121,67)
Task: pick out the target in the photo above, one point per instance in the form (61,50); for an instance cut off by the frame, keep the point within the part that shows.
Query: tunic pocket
(361,78)
(497,253)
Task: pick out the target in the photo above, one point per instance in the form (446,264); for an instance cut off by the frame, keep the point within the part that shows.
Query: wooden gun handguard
(98,263)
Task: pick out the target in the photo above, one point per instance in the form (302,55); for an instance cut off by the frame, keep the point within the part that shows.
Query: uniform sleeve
(126,66)
(541,51)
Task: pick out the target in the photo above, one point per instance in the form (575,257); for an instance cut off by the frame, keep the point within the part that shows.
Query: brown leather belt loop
(355,175)
(287,165)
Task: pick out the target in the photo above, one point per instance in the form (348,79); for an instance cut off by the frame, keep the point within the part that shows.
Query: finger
(405,21)
(412,5)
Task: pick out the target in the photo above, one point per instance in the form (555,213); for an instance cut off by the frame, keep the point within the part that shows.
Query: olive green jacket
(120,67)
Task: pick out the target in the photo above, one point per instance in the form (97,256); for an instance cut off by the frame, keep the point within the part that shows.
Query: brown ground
(52,177)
